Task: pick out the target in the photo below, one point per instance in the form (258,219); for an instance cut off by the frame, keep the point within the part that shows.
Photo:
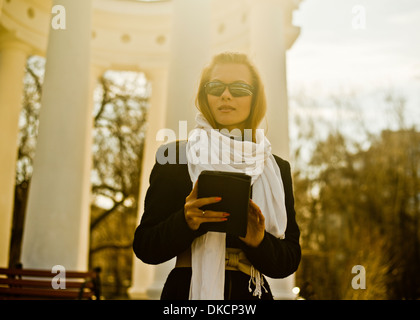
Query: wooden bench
(28,284)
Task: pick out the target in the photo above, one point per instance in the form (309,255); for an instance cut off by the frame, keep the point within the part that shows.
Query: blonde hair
(258,104)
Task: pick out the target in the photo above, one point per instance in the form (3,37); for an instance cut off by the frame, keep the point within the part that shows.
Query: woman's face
(228,111)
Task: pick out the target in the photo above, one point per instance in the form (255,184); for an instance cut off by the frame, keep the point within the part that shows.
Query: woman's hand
(256,226)
(195,216)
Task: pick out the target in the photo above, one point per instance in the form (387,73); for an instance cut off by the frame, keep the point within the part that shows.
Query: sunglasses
(236,89)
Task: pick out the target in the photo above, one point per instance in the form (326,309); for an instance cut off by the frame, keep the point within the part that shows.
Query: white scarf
(254,159)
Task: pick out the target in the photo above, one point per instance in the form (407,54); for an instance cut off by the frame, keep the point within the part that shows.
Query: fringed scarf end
(258,281)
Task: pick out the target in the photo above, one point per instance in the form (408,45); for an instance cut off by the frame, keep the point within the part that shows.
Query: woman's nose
(226,94)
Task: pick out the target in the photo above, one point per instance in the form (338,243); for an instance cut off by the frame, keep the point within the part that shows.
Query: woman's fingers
(253,205)
(192,204)
(212,216)
(256,226)
(196,217)
(201,202)
(194,192)
(193,201)
(209,214)
(256,212)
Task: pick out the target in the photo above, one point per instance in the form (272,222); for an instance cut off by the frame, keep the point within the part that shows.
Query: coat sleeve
(274,257)
(163,232)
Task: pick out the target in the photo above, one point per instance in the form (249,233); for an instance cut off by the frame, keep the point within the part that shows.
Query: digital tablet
(235,189)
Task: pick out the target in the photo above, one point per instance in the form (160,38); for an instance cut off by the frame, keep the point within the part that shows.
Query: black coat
(163,232)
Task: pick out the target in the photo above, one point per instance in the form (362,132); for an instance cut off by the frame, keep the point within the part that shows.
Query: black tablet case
(235,189)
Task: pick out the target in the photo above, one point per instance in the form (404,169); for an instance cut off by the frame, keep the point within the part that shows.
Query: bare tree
(119,130)
(358,204)
(121,104)
(28,132)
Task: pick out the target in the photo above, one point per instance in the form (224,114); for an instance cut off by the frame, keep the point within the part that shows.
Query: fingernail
(226,214)
(218,198)
(224,219)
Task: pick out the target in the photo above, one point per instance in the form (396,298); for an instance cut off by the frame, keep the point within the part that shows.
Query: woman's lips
(226,109)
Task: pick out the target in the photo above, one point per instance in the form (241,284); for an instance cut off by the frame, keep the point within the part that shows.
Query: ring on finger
(203,213)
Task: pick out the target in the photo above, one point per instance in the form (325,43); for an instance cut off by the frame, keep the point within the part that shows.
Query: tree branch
(105,214)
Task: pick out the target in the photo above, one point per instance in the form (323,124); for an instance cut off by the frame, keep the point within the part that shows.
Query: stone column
(13,55)
(268,49)
(190,40)
(143,274)
(190,51)
(58,213)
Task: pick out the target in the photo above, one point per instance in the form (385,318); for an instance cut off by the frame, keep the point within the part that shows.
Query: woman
(216,265)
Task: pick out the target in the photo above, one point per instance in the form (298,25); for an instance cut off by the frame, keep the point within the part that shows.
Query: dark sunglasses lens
(240,91)
(236,89)
(215,89)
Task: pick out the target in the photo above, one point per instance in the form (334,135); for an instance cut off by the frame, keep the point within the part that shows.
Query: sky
(367,47)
